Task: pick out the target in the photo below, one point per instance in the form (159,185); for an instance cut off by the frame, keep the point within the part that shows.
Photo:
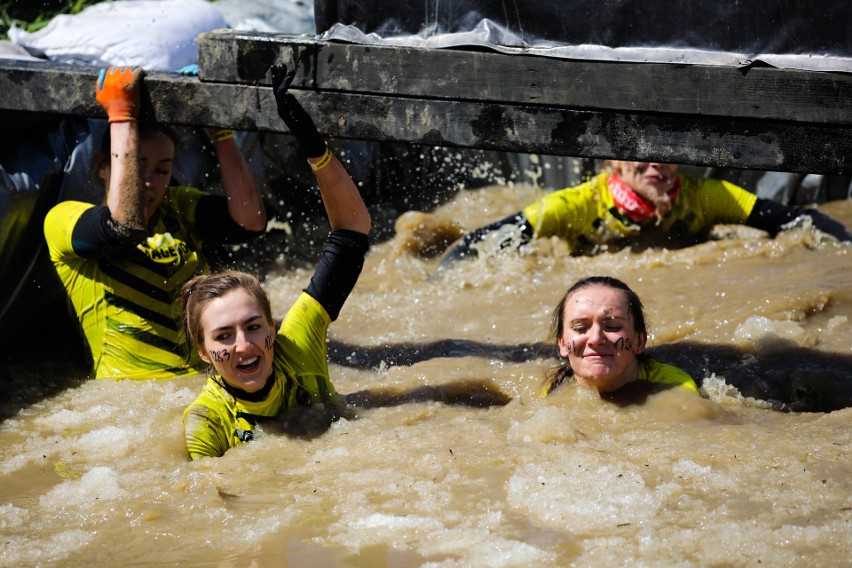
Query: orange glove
(118,92)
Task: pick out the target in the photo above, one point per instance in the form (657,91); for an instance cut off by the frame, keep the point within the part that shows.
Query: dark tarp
(32,177)
(802,34)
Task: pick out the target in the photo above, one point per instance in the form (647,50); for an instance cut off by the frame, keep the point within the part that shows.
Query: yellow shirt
(663,374)
(218,420)
(126,301)
(652,371)
(586,215)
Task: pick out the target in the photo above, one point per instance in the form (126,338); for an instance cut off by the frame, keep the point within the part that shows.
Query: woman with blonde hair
(258,369)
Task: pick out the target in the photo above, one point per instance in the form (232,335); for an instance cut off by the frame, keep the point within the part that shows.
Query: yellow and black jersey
(125,298)
(223,417)
(586,214)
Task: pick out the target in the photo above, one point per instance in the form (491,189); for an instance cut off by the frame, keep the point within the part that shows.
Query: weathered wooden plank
(48,87)
(687,139)
(231,56)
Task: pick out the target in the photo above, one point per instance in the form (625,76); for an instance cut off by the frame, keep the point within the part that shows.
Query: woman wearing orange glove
(123,262)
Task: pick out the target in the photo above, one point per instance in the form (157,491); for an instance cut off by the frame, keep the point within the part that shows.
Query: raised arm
(118,93)
(340,196)
(245,204)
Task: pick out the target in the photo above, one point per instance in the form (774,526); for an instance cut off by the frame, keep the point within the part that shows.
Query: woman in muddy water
(640,204)
(122,262)
(601,335)
(569,479)
(256,371)
(86,479)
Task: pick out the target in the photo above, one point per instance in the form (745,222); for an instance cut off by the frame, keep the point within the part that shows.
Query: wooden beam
(349,100)
(230,56)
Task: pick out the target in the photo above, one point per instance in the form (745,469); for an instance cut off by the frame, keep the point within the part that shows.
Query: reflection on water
(445,456)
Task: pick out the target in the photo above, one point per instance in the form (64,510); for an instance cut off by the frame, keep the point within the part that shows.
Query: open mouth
(249,365)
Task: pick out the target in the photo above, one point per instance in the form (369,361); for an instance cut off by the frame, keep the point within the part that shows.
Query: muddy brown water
(447,457)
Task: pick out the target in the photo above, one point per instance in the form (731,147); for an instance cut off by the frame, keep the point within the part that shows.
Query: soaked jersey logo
(244,435)
(164,248)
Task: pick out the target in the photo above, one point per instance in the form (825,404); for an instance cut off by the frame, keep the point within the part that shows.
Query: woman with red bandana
(640,203)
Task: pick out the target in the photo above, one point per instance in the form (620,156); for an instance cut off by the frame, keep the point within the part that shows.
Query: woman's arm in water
(771,217)
(466,250)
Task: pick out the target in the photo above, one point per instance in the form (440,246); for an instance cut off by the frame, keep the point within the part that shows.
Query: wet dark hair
(557,375)
(198,292)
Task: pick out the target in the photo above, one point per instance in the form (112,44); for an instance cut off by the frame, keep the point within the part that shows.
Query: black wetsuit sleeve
(771,216)
(464,250)
(339,266)
(96,233)
(215,225)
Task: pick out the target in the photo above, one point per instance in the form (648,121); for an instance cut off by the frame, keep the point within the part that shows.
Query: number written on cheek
(621,344)
(220,356)
(268,342)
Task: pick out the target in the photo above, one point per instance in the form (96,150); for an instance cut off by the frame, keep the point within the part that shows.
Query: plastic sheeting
(799,34)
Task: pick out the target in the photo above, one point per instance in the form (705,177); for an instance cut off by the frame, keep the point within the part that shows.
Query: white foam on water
(481,547)
(394,523)
(836,323)
(689,469)
(109,441)
(716,389)
(12,516)
(759,329)
(65,419)
(582,494)
(43,549)
(100,484)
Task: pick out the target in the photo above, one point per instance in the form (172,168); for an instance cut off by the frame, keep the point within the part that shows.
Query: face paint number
(621,344)
(220,356)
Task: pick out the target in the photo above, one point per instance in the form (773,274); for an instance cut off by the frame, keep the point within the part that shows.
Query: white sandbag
(272,16)
(158,35)
(9,50)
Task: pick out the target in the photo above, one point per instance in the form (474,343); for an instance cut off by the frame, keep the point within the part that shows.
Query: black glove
(294,115)
(828,225)
(465,249)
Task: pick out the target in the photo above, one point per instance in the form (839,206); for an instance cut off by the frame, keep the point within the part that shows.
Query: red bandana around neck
(629,202)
